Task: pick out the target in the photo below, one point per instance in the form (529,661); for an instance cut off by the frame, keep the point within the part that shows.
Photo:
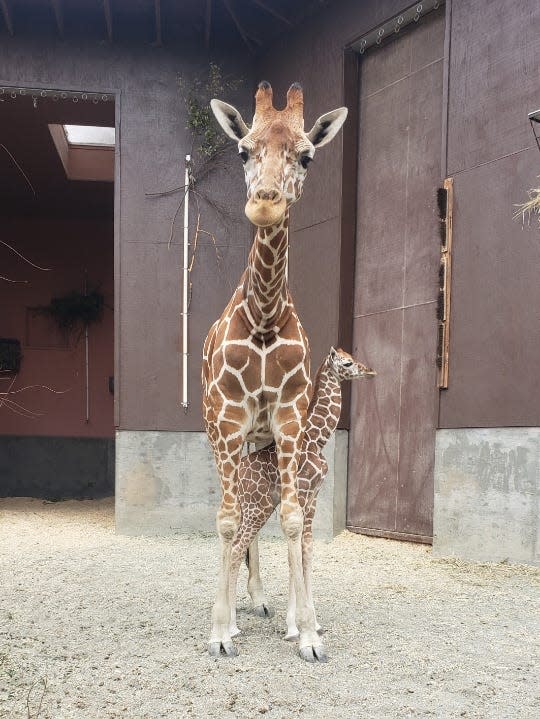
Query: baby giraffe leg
(255,587)
(252,520)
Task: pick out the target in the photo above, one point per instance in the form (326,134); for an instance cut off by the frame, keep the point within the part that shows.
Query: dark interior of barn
(57,212)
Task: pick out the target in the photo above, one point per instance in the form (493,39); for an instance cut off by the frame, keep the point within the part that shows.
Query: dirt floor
(96,626)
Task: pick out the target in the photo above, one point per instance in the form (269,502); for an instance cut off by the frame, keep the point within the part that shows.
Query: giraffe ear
(333,352)
(327,127)
(230,119)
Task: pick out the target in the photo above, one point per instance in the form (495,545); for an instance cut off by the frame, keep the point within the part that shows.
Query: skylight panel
(89,135)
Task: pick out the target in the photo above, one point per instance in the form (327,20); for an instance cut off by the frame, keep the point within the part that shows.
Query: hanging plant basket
(74,310)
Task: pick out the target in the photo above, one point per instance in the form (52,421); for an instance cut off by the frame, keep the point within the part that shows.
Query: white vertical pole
(185,292)
(86,357)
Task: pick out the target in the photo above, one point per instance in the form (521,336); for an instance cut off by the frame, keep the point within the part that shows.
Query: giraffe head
(275,150)
(346,367)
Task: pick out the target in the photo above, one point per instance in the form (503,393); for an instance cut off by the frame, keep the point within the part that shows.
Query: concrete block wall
(487,494)
(166,483)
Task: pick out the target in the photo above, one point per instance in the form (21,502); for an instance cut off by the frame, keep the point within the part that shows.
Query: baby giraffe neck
(325,407)
(266,294)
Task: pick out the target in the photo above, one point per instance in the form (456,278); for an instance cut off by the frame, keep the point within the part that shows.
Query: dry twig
(19,409)
(23,173)
(32,264)
(29,713)
(532,206)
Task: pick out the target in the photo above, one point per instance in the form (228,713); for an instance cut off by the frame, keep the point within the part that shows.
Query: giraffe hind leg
(261,608)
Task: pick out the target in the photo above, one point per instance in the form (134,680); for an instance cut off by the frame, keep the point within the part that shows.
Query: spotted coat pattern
(256,362)
(259,478)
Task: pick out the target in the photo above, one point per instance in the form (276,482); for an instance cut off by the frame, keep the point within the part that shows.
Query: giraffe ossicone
(259,487)
(256,362)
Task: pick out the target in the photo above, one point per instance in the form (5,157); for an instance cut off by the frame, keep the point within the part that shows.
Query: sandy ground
(117,627)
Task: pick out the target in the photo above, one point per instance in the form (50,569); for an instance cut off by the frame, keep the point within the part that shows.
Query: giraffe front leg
(288,448)
(292,629)
(236,561)
(227,523)
(253,518)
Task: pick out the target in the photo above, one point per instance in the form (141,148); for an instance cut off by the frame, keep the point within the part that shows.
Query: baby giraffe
(259,488)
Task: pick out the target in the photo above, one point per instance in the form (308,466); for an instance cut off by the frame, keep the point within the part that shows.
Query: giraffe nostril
(271,195)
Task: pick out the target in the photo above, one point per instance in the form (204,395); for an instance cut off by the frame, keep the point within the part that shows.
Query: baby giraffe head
(346,367)
(275,150)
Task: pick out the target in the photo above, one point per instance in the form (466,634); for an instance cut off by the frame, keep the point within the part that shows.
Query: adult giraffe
(255,371)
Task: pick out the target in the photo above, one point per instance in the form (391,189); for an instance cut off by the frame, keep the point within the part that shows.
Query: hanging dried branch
(17,408)
(29,262)
(532,206)
(8,279)
(23,173)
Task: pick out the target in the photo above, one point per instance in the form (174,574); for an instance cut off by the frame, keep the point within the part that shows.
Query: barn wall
(315,60)
(493,158)
(153,142)
(489,150)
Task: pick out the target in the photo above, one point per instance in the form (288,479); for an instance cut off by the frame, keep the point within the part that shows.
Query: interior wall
(51,358)
(153,141)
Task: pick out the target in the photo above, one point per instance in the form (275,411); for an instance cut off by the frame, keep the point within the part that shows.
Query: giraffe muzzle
(266,207)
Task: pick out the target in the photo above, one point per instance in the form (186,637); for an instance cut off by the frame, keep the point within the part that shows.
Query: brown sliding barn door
(393,418)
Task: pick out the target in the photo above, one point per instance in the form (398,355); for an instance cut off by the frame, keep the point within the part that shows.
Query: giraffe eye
(305,160)
(244,155)
(348,363)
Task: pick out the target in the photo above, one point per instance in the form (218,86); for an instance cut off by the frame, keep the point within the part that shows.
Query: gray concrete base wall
(166,483)
(487,494)
(56,467)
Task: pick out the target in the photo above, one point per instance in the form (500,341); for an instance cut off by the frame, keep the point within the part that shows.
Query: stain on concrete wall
(487,494)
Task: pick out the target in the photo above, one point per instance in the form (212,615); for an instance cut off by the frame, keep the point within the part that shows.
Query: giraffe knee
(227,527)
(292,524)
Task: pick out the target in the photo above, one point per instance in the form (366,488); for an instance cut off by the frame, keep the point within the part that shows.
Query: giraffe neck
(266,296)
(325,406)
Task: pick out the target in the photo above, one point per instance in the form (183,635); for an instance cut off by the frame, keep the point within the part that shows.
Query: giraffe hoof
(307,654)
(263,611)
(228,649)
(214,649)
(321,655)
(218,649)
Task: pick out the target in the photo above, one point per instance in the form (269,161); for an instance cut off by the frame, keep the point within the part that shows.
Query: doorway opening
(57,201)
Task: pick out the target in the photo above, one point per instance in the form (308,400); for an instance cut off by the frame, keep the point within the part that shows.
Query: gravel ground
(117,627)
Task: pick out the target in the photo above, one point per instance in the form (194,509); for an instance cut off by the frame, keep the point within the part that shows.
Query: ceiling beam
(108,18)
(59,16)
(7,16)
(207,23)
(273,12)
(157,12)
